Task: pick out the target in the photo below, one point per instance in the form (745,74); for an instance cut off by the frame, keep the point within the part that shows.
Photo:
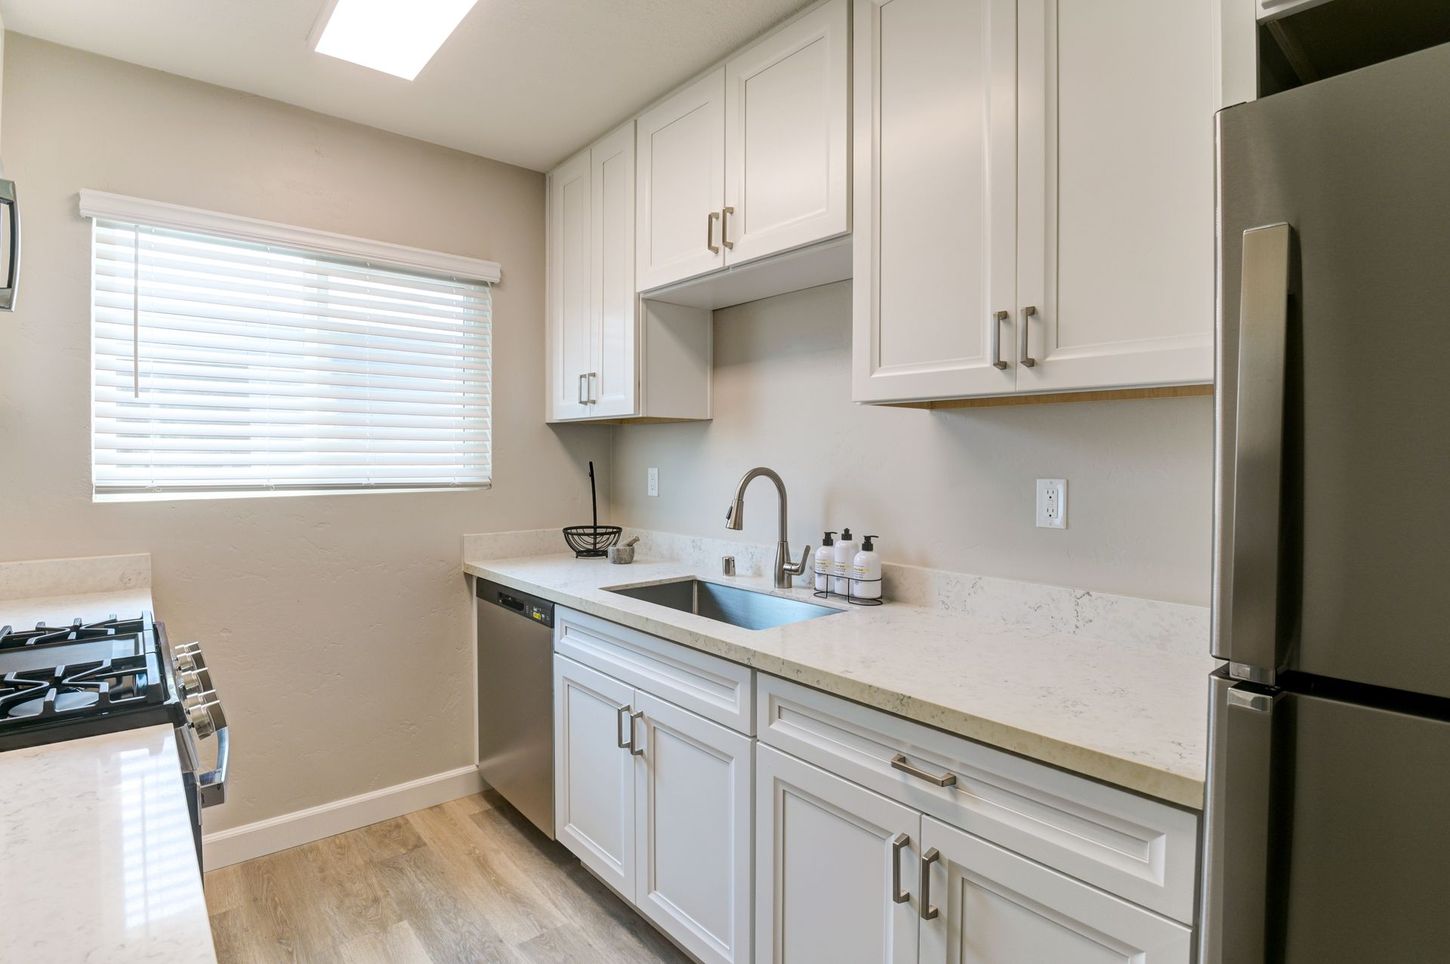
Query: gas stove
(87,678)
(83,679)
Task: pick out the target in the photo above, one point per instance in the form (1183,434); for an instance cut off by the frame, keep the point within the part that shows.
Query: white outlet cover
(1052,503)
(654,481)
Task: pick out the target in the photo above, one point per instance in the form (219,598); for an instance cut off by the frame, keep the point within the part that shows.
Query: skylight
(397,37)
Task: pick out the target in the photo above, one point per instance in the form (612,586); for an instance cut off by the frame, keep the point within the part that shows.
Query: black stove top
(83,679)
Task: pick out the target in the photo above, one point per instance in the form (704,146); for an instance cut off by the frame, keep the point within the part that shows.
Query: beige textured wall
(339,625)
(950,489)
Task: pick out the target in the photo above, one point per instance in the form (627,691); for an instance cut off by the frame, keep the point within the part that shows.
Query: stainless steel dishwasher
(516,699)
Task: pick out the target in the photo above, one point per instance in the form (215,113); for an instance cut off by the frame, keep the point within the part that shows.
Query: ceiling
(523,81)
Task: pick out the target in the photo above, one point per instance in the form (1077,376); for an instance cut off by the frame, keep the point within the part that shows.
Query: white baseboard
(304,826)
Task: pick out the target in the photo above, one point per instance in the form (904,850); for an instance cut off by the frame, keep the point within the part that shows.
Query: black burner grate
(43,635)
(31,697)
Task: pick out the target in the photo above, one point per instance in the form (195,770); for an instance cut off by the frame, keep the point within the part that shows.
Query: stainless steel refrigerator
(1328,824)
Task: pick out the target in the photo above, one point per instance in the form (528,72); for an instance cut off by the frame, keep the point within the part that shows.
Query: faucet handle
(796,569)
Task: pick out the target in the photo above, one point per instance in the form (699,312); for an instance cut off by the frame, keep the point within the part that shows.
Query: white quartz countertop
(61,610)
(97,861)
(1127,714)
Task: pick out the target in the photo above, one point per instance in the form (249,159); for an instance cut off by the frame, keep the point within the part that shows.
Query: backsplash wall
(946,489)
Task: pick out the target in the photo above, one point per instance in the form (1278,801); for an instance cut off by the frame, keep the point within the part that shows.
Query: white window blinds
(226,365)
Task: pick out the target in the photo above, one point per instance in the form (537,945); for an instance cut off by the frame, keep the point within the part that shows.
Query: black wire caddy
(849,595)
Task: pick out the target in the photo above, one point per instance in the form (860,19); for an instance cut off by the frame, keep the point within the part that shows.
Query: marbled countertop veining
(1128,714)
(97,853)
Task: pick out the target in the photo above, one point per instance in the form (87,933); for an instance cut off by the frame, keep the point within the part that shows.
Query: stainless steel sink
(738,607)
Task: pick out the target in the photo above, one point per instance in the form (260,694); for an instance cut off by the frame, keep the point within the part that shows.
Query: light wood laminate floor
(470,880)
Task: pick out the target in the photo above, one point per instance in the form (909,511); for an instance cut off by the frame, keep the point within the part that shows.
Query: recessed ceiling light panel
(397,37)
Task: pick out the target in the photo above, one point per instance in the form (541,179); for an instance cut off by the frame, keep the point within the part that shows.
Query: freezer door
(1326,831)
(1333,349)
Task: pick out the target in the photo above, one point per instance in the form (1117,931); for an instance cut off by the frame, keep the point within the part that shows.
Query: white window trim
(119,207)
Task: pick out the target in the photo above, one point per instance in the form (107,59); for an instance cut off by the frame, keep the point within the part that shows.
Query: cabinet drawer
(1136,848)
(715,688)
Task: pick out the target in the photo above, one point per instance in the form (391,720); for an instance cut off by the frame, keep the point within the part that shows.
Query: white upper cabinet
(934,246)
(610,356)
(786,132)
(612,302)
(570,339)
(751,159)
(1115,156)
(1036,217)
(681,183)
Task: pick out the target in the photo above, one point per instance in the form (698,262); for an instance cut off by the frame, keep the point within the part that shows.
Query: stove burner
(43,635)
(62,701)
(82,688)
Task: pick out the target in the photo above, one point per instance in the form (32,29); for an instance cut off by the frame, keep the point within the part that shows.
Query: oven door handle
(212,785)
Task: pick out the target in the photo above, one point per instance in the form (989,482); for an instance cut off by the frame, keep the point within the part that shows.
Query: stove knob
(198,698)
(188,657)
(200,718)
(193,680)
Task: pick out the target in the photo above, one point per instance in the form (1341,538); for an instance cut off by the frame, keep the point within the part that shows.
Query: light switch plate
(1052,503)
(654,481)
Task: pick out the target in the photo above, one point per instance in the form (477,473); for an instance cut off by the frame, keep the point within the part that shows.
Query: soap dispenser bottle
(824,560)
(866,568)
(842,553)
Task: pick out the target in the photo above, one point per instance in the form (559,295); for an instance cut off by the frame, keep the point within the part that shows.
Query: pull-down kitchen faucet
(735,518)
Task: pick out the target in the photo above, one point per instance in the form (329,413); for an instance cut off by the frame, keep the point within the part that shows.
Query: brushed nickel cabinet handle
(928,912)
(997,318)
(710,220)
(620,738)
(634,749)
(898,896)
(725,226)
(582,399)
(1027,315)
(898,762)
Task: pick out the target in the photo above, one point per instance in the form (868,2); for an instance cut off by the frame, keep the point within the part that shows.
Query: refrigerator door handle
(1245,823)
(9,200)
(1252,644)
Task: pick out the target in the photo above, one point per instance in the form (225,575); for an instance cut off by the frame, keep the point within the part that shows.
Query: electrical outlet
(654,481)
(1052,503)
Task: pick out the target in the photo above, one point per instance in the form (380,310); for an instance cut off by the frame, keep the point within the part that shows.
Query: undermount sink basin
(738,607)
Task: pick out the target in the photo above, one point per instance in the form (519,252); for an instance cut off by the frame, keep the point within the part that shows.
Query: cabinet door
(935,199)
(825,868)
(614,329)
(692,830)
(594,772)
(569,351)
(993,906)
(1116,222)
(786,104)
(681,184)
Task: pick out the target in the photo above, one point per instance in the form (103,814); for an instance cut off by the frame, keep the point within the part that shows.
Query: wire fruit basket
(591,541)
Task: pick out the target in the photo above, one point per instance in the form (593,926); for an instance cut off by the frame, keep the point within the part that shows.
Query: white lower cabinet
(594,771)
(844,834)
(987,905)
(655,800)
(832,860)
(692,830)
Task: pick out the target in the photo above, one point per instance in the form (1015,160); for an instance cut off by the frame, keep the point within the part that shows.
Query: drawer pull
(635,749)
(624,743)
(898,895)
(899,762)
(928,912)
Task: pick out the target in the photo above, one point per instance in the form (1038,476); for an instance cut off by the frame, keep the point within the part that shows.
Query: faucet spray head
(735,515)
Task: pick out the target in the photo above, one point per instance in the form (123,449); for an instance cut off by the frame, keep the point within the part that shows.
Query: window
(224,362)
